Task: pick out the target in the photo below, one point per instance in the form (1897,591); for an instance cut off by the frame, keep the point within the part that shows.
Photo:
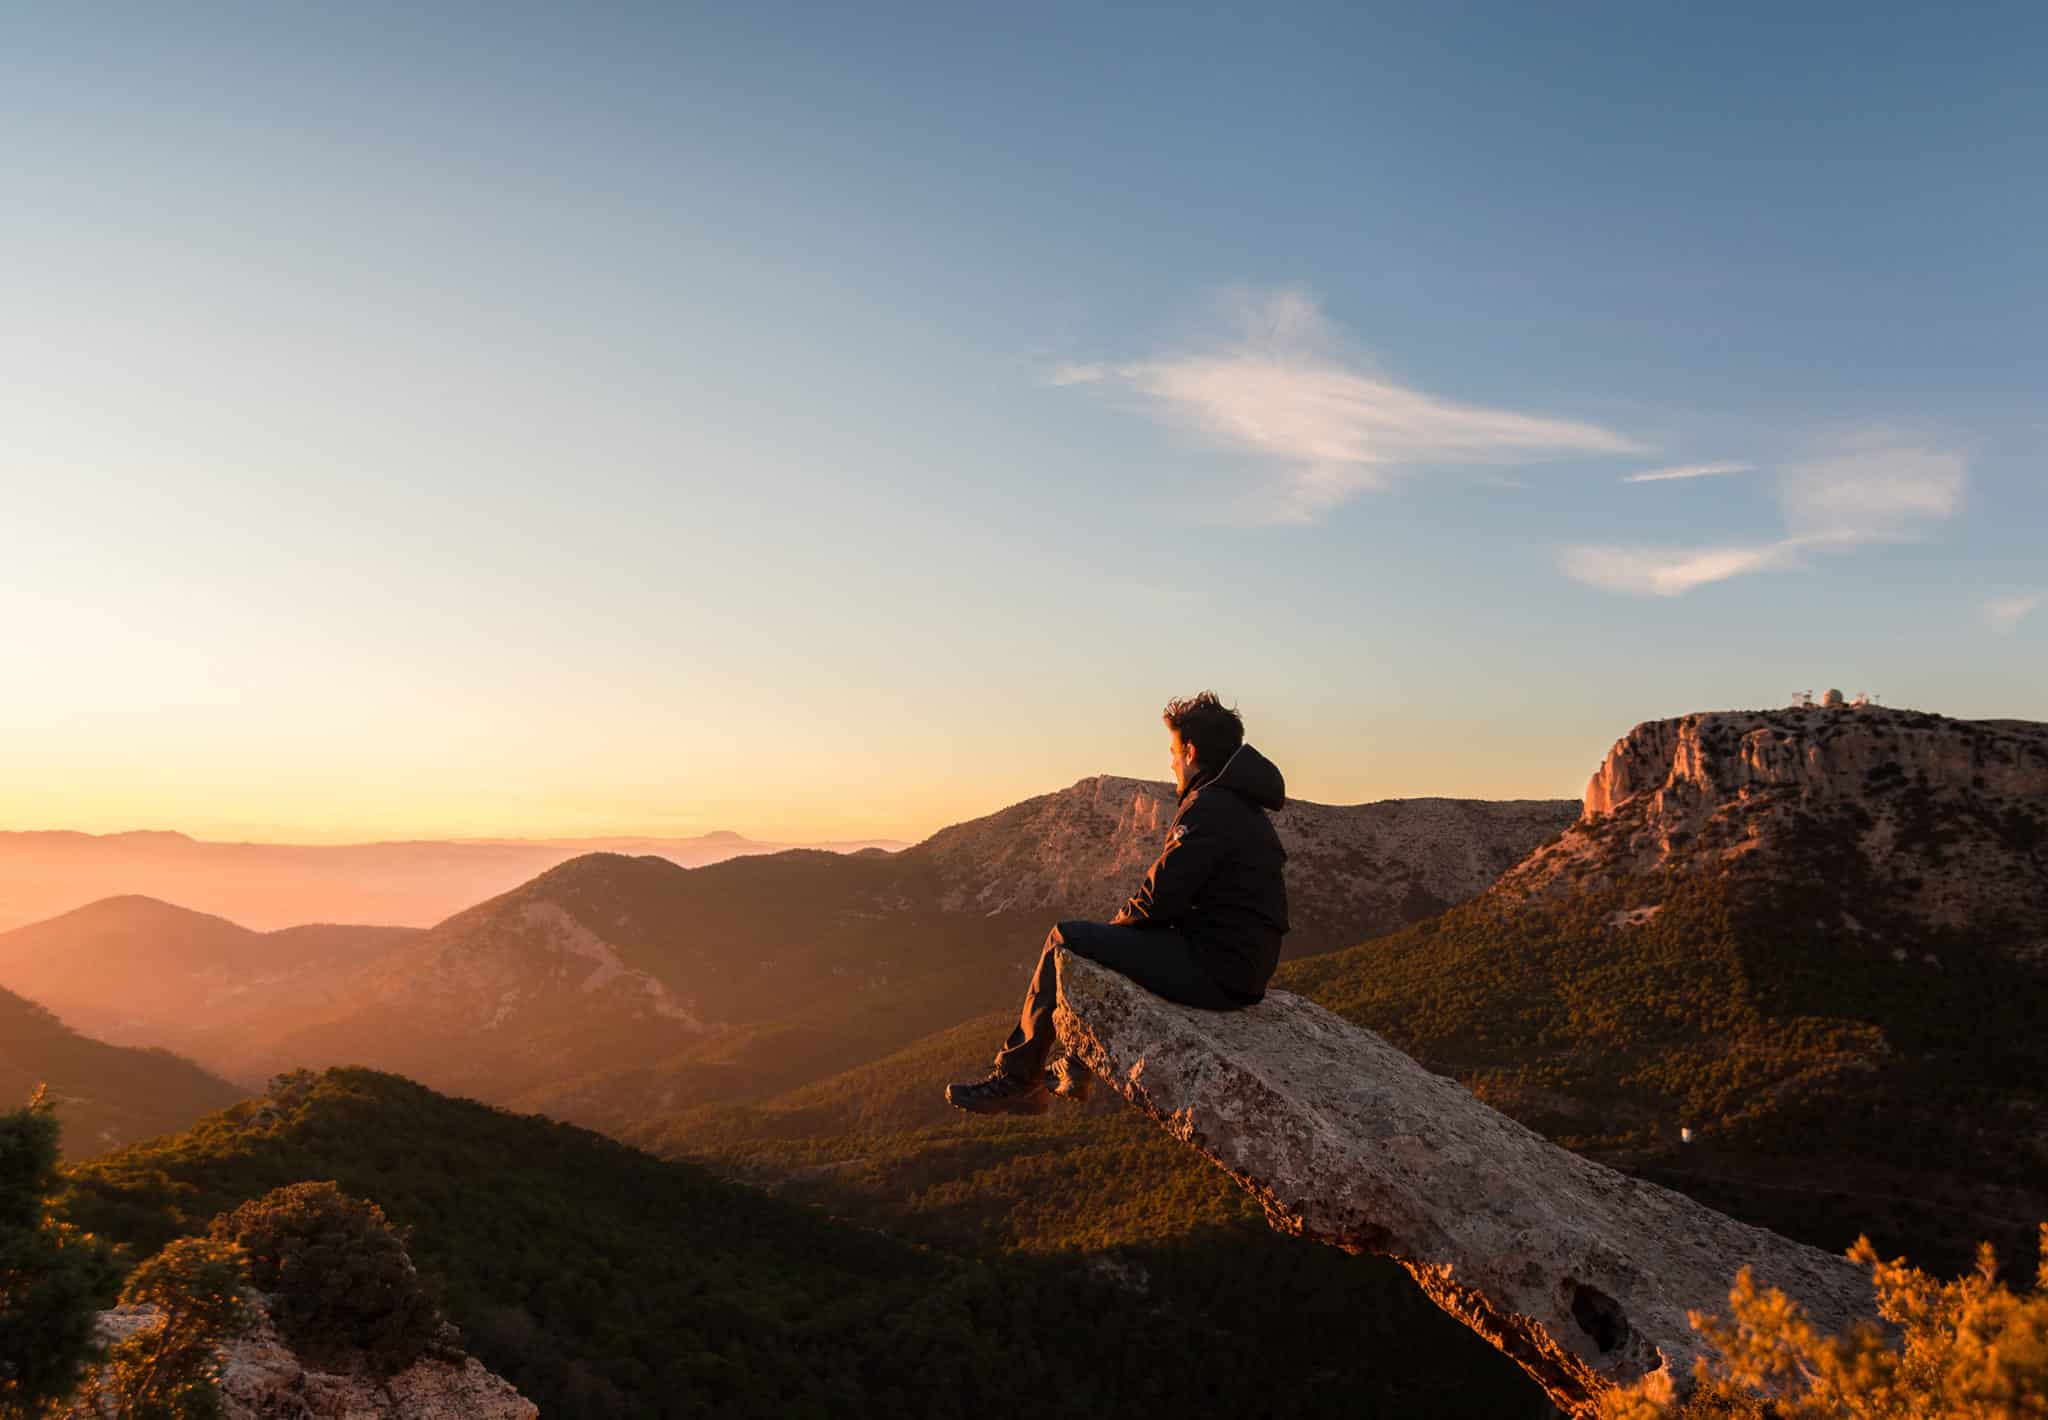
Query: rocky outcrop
(1926,821)
(1580,1274)
(1832,753)
(1354,871)
(262,1378)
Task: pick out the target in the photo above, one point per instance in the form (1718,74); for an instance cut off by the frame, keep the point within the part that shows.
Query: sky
(821,421)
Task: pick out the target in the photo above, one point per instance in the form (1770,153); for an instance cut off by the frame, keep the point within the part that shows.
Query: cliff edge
(1581,1275)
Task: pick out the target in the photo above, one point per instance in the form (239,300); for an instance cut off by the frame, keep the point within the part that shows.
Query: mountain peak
(140,910)
(603,867)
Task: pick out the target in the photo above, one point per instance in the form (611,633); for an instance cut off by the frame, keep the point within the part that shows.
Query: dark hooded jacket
(1219,880)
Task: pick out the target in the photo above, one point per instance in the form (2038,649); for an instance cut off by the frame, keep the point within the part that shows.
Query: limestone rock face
(1939,823)
(1828,753)
(1582,1275)
(262,1378)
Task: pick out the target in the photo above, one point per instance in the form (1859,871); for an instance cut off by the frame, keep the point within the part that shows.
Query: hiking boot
(999,1094)
(1068,1078)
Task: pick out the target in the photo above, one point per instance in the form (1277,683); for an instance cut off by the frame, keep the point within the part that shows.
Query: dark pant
(1157,958)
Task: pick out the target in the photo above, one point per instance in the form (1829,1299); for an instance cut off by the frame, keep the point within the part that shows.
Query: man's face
(1183,756)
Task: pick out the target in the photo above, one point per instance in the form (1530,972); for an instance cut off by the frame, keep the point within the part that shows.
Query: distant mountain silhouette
(135,970)
(108,1096)
(266,885)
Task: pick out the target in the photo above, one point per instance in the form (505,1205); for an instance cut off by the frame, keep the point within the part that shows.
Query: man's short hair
(1213,728)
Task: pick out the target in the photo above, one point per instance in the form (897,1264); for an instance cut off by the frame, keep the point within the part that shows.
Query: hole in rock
(1599,1316)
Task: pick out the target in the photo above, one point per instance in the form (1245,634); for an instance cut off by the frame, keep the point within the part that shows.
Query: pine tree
(52,1276)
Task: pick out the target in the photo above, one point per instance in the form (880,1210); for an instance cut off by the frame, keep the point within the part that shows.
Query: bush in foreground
(337,1273)
(170,1370)
(1968,1349)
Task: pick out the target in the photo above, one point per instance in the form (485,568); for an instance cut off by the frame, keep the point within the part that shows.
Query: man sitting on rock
(1203,930)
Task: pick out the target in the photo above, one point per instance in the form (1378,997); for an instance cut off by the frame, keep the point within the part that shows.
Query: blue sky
(472,419)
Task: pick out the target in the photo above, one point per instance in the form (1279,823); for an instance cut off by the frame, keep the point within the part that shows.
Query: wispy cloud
(1671,571)
(1324,426)
(2005,613)
(1873,486)
(1687,470)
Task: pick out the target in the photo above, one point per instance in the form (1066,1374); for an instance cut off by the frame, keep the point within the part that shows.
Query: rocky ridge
(1353,870)
(1581,1275)
(767,970)
(262,1378)
(1926,822)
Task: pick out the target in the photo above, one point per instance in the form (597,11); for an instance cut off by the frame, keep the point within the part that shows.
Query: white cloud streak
(1671,571)
(1688,470)
(2006,613)
(1873,490)
(1323,424)
(1875,486)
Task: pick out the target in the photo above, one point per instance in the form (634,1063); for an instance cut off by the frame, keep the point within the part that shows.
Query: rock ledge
(262,1378)
(1582,1275)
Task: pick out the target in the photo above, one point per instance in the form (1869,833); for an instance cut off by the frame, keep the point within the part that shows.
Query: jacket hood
(1249,773)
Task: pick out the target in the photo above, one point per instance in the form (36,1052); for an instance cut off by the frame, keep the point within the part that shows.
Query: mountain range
(269,885)
(611,988)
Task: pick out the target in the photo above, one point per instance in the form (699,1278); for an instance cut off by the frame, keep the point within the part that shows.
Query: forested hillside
(1832,1084)
(604,1282)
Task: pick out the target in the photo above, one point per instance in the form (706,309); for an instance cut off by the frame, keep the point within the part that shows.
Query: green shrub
(170,1370)
(337,1272)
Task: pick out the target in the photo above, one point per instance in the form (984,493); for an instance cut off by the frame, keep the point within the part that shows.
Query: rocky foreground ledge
(1582,1275)
(263,1378)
